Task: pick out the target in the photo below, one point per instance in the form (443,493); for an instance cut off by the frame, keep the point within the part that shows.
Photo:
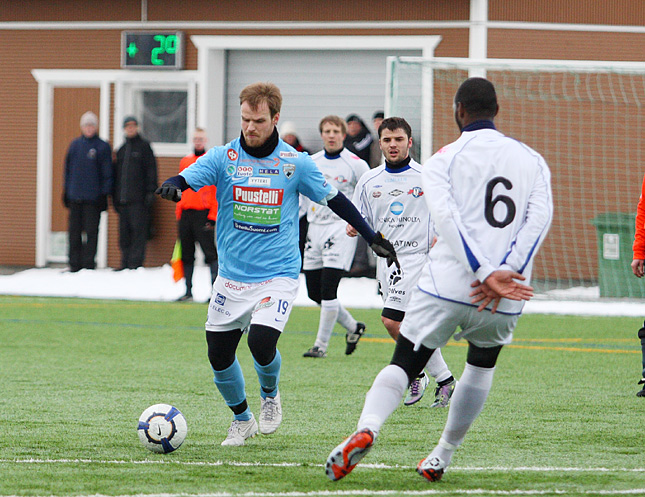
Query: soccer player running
(390,198)
(490,200)
(258,178)
(328,251)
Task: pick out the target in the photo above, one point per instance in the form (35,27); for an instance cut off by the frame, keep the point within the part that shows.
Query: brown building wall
(614,12)
(24,50)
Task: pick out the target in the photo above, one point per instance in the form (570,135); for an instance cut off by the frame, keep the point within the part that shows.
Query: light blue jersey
(257,216)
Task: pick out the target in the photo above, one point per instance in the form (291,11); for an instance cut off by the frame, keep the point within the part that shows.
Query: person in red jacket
(638,268)
(196,213)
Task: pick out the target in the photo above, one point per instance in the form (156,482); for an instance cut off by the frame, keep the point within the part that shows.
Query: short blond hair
(256,93)
(337,120)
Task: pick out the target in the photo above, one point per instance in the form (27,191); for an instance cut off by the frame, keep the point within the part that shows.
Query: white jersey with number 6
(491,204)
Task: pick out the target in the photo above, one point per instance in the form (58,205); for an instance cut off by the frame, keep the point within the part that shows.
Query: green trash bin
(615,238)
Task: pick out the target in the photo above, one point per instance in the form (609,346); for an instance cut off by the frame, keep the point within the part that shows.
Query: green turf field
(562,417)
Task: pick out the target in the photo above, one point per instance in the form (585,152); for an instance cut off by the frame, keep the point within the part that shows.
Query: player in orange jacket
(638,268)
(196,213)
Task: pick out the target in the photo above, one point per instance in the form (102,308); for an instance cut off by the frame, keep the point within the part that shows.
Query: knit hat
(379,114)
(353,118)
(89,118)
(130,119)
(288,128)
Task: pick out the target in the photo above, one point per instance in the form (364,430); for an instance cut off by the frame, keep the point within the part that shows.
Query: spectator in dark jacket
(87,183)
(134,185)
(359,139)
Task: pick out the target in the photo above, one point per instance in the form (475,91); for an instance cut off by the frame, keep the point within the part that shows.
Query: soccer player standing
(638,268)
(490,200)
(259,179)
(391,198)
(328,250)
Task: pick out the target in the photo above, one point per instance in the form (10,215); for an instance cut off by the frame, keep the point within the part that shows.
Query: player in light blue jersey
(259,179)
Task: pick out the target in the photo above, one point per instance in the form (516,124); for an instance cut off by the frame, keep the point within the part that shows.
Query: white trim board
(316,25)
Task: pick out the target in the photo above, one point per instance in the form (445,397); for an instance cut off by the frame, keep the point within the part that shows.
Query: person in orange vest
(196,215)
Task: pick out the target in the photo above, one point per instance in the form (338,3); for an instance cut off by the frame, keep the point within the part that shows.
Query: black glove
(65,200)
(169,192)
(210,225)
(383,248)
(102,203)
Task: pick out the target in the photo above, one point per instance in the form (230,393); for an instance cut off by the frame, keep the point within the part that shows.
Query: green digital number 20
(167,44)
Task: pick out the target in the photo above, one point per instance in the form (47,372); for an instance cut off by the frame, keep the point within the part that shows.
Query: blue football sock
(230,383)
(269,376)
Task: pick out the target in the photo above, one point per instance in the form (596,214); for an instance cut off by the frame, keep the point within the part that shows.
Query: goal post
(586,118)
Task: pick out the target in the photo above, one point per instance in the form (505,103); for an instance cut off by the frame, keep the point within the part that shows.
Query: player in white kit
(390,197)
(490,200)
(328,251)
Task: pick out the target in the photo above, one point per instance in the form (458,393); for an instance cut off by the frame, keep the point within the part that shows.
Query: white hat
(89,118)
(288,128)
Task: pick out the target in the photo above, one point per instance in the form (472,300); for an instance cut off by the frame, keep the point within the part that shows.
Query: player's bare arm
(499,284)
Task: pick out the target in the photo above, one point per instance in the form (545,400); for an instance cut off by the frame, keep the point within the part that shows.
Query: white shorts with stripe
(329,246)
(431,321)
(396,284)
(235,305)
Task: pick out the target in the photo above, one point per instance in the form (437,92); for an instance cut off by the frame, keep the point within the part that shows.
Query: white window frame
(129,83)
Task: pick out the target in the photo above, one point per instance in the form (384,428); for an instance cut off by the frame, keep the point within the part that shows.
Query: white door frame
(48,79)
(211,63)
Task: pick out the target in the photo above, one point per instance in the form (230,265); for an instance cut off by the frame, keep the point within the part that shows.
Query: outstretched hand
(384,248)
(499,284)
(169,192)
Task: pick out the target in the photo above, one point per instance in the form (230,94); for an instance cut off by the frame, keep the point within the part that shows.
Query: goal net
(587,119)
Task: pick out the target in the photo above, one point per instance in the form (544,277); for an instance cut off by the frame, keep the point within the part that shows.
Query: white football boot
(240,431)
(270,414)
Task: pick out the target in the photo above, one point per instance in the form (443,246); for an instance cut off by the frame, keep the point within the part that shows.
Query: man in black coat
(135,182)
(88,182)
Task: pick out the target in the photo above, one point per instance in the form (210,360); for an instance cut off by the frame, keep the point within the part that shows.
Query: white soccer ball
(162,428)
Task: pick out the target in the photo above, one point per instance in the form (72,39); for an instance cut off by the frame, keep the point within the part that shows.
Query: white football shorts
(329,246)
(431,321)
(396,284)
(235,305)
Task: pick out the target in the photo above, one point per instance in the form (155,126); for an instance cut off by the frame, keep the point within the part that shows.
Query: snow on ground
(156,284)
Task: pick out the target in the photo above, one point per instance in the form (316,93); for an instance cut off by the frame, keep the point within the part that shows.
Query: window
(164,105)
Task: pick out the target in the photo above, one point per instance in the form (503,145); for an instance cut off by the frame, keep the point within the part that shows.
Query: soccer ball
(162,428)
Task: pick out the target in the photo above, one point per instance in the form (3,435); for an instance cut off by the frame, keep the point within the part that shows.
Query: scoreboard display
(152,50)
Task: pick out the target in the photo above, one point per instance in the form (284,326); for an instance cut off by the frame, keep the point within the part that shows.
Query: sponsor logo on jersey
(396,208)
(257,196)
(220,299)
(416,192)
(257,215)
(341,179)
(232,154)
(395,179)
(244,171)
(266,170)
(289,170)
(395,193)
(443,150)
(405,243)
(260,181)
(288,155)
(376,194)
(275,162)
(230,170)
(251,228)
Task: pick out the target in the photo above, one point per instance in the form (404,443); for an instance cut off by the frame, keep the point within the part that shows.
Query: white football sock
(437,367)
(328,317)
(346,320)
(465,405)
(383,398)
